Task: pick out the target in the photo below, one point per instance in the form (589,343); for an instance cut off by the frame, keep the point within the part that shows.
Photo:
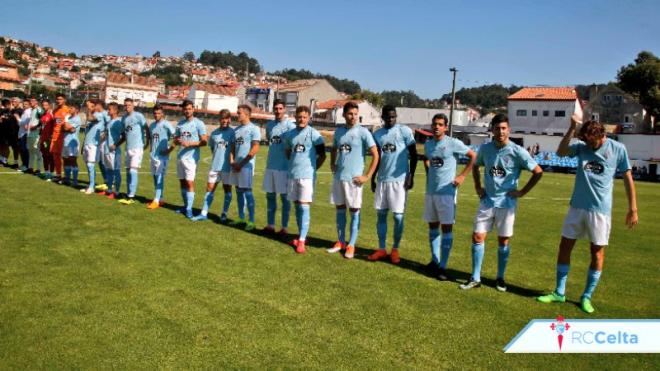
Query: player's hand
(576,119)
(481,192)
(409,183)
(458,180)
(515,194)
(112,147)
(236,167)
(632,219)
(360,180)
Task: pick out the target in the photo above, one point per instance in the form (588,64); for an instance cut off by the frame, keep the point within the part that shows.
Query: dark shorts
(12,138)
(4,135)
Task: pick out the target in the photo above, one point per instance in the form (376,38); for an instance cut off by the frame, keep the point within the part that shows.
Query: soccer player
(23,130)
(190,135)
(394,177)
(99,113)
(161,132)
(14,130)
(442,184)
(93,131)
(71,146)
(503,161)
(135,132)
(114,137)
(589,214)
(305,150)
(243,152)
(275,176)
(61,115)
(47,122)
(220,142)
(33,128)
(350,143)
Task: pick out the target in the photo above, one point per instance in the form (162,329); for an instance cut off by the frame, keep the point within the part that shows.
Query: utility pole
(453,98)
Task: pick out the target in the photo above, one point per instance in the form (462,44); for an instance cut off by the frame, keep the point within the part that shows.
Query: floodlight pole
(453,98)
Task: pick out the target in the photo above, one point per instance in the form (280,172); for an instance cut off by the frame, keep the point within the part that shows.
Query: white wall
(214,102)
(641,147)
(370,115)
(541,124)
(141,97)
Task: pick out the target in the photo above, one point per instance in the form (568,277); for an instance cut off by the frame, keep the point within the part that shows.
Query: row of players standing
(296,152)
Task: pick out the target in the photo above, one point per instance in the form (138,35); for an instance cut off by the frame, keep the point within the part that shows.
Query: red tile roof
(216,89)
(333,103)
(545,93)
(298,85)
(143,82)
(5,63)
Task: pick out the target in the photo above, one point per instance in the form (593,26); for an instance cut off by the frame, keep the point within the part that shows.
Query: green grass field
(87,283)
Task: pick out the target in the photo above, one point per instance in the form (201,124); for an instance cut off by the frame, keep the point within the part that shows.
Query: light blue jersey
(161,134)
(394,155)
(102,117)
(442,156)
(594,181)
(134,125)
(73,139)
(502,167)
(351,145)
(114,128)
(302,144)
(93,132)
(244,135)
(189,131)
(275,131)
(220,142)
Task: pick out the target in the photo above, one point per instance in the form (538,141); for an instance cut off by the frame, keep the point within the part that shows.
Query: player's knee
(447,228)
(478,237)
(434,225)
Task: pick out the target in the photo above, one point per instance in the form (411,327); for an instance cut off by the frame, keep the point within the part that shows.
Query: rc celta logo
(560,327)
(587,336)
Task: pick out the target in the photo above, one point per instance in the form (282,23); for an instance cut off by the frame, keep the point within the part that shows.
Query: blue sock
(434,242)
(304,222)
(355,227)
(502,259)
(286,210)
(67,173)
(227,202)
(208,200)
(299,216)
(109,177)
(75,174)
(398,229)
(160,187)
(129,180)
(117,179)
(271,208)
(133,182)
(445,248)
(190,200)
(184,197)
(341,225)
(592,281)
(562,276)
(156,196)
(91,170)
(477,259)
(249,200)
(104,172)
(240,196)
(381,228)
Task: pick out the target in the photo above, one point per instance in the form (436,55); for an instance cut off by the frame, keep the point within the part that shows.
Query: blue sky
(384,45)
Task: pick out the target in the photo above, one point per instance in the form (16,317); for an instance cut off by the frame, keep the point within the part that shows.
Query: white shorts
(580,223)
(346,193)
(301,190)
(112,160)
(440,208)
(502,217)
(134,158)
(275,181)
(72,150)
(243,178)
(391,195)
(100,152)
(186,168)
(159,165)
(223,175)
(90,153)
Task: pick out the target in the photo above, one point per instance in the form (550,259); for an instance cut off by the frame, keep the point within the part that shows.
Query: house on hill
(542,110)
(611,105)
(305,92)
(213,97)
(143,90)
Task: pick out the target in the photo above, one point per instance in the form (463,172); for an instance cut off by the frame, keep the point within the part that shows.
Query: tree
(402,98)
(642,80)
(72,55)
(238,62)
(171,74)
(487,97)
(2,41)
(189,56)
(370,96)
(156,54)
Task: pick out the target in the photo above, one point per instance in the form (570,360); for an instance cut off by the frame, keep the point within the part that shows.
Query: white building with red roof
(143,90)
(542,110)
(331,112)
(213,97)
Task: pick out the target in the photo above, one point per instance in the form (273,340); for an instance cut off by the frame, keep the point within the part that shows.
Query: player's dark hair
(60,95)
(45,100)
(5,101)
(157,107)
(387,109)
(591,128)
(113,104)
(99,102)
(498,119)
(300,109)
(224,114)
(128,100)
(440,116)
(278,101)
(186,103)
(245,107)
(349,106)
